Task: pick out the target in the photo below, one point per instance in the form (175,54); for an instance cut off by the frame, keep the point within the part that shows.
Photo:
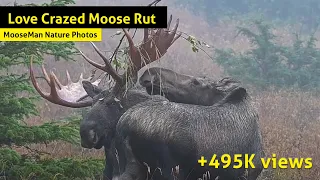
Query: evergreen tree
(270,64)
(14,108)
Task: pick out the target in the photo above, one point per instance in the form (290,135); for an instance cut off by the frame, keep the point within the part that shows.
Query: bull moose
(97,129)
(93,134)
(185,132)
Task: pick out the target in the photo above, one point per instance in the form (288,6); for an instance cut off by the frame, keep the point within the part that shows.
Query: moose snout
(89,137)
(90,140)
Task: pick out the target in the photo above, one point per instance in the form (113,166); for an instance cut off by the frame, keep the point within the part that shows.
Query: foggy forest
(271,46)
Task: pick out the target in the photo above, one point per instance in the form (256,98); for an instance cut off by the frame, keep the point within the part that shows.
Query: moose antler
(107,67)
(67,95)
(153,47)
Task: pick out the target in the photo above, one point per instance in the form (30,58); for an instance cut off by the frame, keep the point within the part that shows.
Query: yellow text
(47,19)
(22,19)
(139,19)
(96,18)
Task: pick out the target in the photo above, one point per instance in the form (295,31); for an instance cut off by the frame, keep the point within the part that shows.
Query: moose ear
(236,95)
(91,89)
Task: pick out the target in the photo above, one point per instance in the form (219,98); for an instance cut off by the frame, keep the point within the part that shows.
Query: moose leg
(133,169)
(108,169)
(166,162)
(253,174)
(107,172)
(153,156)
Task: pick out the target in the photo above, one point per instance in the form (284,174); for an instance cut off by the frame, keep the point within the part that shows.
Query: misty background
(289,111)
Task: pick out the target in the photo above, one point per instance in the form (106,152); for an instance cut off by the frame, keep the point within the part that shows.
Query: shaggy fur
(98,126)
(192,131)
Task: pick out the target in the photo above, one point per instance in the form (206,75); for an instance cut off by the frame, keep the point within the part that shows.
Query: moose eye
(195,82)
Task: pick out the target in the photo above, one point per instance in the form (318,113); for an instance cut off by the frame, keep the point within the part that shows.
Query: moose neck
(135,96)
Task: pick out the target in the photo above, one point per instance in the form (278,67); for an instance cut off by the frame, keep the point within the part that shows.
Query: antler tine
(57,80)
(69,81)
(134,53)
(108,67)
(53,91)
(99,66)
(35,84)
(153,47)
(169,22)
(175,31)
(50,81)
(53,96)
(46,77)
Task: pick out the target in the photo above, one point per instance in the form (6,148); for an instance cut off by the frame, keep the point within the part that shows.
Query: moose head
(107,106)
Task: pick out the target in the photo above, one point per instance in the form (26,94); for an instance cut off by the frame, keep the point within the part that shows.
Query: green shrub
(14,108)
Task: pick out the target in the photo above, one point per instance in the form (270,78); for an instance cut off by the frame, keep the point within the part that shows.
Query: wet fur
(192,131)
